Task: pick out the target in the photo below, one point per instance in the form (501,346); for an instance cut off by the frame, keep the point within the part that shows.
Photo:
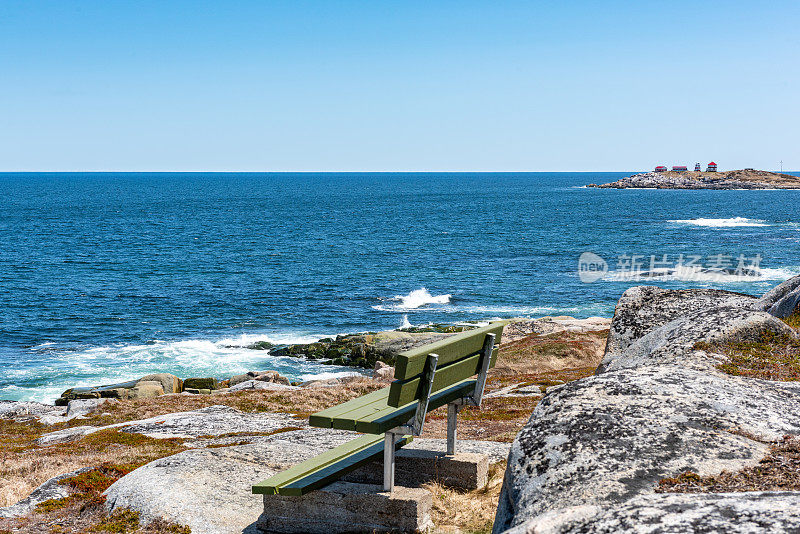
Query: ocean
(105,277)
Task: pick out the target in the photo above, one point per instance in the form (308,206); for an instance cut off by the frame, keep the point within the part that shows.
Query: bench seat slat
(391,417)
(401,393)
(325,418)
(325,468)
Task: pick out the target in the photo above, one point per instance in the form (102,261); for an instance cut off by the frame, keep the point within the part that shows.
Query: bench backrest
(459,358)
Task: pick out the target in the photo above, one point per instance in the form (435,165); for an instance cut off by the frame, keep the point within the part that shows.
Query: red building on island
(679,168)
(661,168)
(712,167)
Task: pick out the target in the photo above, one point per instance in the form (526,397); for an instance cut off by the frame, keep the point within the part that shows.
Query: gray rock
(211,421)
(49,490)
(782,300)
(673,342)
(259,384)
(605,439)
(642,309)
(24,409)
(774,512)
(169,382)
(77,408)
(210,489)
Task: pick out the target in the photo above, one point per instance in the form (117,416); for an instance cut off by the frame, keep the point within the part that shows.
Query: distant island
(740,179)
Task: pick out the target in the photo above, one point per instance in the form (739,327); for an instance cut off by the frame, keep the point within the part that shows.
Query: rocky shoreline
(375,351)
(738,179)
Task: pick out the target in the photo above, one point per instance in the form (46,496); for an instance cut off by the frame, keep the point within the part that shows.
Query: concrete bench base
(414,467)
(349,507)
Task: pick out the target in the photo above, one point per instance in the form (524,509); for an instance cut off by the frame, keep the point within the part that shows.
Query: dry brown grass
(555,352)
(771,357)
(24,465)
(300,402)
(529,361)
(458,511)
(779,470)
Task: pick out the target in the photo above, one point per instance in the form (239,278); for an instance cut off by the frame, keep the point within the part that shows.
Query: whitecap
(722,223)
(415,299)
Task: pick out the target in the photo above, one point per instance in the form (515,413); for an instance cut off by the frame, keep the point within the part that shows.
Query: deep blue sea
(107,277)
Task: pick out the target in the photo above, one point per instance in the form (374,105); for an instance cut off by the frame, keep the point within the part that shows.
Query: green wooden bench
(425,378)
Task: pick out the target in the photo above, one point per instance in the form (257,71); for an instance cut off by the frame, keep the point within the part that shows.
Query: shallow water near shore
(107,277)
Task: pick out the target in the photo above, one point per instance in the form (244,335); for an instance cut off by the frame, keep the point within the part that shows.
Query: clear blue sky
(404,85)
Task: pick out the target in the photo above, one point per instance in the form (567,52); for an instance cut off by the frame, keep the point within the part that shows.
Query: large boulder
(658,407)
(607,438)
(782,300)
(673,342)
(209,490)
(170,383)
(642,309)
(262,376)
(745,513)
(148,386)
(201,383)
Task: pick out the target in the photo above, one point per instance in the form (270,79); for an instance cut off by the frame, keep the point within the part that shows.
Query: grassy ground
(778,471)
(771,357)
(541,361)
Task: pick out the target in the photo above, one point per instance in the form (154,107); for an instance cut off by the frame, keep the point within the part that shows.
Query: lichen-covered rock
(610,437)
(673,342)
(642,309)
(210,421)
(782,300)
(745,513)
(657,408)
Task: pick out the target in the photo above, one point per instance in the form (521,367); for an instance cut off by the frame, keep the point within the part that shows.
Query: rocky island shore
(738,179)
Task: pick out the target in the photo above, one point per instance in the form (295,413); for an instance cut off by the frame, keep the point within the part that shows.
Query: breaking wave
(58,368)
(722,223)
(414,300)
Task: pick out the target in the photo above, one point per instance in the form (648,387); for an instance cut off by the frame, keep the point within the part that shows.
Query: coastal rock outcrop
(642,309)
(209,489)
(152,385)
(595,449)
(738,513)
(783,300)
(211,421)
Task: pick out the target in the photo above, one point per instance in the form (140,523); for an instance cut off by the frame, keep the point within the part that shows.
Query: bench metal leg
(388,461)
(452,419)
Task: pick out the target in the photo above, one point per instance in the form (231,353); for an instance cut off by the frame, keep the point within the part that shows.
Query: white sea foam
(722,223)
(406,323)
(414,300)
(109,364)
(696,274)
